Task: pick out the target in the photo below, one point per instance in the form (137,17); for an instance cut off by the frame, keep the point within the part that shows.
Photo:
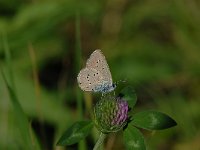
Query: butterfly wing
(89,79)
(98,62)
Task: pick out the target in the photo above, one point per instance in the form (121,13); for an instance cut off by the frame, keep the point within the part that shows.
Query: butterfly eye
(114,85)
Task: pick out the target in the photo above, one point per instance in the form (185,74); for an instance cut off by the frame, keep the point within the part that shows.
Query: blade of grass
(20,117)
(37,92)
(36,81)
(8,58)
(82,144)
(78,64)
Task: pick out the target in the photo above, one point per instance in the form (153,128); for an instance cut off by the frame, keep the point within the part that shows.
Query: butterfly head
(114,86)
(111,87)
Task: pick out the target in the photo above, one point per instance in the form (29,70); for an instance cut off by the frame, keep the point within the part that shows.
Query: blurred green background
(154,45)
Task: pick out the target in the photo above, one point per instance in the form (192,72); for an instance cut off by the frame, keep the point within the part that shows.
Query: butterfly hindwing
(98,62)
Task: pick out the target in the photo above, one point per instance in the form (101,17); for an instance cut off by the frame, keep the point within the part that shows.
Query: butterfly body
(104,87)
(96,75)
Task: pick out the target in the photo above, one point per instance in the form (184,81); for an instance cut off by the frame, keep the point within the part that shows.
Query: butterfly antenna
(121,81)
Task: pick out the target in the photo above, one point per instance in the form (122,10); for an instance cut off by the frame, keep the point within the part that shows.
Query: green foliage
(153,45)
(133,139)
(128,93)
(152,120)
(22,121)
(75,133)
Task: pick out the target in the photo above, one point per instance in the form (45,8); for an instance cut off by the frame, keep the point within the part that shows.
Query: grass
(155,48)
(29,142)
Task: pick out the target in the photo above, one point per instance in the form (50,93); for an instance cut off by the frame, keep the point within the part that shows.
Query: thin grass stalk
(79,97)
(21,118)
(78,64)
(8,60)
(37,91)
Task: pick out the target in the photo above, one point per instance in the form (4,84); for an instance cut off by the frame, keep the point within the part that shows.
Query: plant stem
(102,137)
(82,144)
(8,59)
(78,63)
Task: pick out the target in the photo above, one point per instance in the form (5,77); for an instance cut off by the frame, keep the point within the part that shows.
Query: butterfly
(96,76)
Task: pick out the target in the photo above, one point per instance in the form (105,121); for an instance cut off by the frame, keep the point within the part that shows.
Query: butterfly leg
(102,94)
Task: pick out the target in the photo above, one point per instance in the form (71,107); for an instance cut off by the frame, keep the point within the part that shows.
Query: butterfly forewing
(98,62)
(89,78)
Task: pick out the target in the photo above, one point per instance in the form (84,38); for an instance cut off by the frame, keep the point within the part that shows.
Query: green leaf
(133,139)
(75,133)
(152,120)
(128,94)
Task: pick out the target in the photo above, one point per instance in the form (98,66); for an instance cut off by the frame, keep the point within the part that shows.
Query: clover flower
(110,114)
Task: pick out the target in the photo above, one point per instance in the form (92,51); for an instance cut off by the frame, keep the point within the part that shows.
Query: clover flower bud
(110,114)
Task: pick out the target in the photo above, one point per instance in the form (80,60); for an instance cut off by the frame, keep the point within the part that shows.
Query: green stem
(100,141)
(78,63)
(82,144)
(8,59)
